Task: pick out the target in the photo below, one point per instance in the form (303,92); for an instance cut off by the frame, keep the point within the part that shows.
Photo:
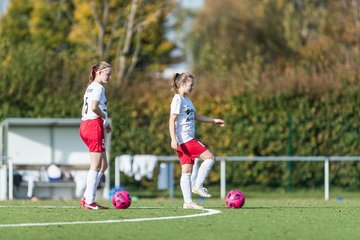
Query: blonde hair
(180,78)
(100,66)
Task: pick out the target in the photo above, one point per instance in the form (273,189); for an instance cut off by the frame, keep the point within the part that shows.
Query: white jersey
(185,121)
(95,91)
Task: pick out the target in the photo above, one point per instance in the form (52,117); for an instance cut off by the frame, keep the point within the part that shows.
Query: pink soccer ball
(121,199)
(235,199)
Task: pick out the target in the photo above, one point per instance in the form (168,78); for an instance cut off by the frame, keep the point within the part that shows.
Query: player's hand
(174,145)
(106,122)
(108,129)
(220,122)
(107,126)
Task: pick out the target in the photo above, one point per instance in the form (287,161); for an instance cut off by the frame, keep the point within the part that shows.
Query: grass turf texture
(260,218)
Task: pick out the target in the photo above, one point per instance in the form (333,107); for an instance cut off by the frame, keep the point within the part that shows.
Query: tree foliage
(258,64)
(49,24)
(281,45)
(14,27)
(131,34)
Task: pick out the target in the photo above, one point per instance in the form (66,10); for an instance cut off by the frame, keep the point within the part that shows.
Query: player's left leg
(194,173)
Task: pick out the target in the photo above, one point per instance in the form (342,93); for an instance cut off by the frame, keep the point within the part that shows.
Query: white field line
(12,206)
(207,213)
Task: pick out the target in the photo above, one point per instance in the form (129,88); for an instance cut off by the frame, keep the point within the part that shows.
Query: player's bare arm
(95,108)
(202,118)
(172,119)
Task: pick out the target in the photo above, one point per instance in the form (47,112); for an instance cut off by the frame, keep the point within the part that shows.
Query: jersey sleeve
(175,105)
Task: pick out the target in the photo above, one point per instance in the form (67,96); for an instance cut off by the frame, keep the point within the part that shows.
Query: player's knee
(186,168)
(207,155)
(211,156)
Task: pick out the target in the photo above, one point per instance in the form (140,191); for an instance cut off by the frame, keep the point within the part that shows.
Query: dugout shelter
(36,143)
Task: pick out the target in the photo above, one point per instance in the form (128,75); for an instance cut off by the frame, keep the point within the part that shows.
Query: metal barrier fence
(223,160)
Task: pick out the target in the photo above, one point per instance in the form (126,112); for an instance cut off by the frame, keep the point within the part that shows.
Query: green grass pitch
(260,218)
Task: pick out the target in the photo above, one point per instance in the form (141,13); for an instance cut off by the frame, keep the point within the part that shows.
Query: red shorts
(190,150)
(92,133)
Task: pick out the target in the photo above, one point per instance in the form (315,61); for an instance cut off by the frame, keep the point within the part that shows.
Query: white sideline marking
(71,207)
(207,213)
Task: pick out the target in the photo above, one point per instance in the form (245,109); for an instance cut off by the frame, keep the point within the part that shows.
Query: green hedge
(255,126)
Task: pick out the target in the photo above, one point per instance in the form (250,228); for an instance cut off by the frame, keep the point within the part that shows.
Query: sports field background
(284,76)
(298,215)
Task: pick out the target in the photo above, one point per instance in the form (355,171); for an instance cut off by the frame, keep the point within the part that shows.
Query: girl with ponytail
(94,122)
(183,141)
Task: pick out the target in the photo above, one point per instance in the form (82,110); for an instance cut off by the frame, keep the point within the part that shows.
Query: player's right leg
(204,170)
(92,133)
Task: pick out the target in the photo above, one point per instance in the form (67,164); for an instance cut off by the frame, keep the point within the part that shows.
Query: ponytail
(174,84)
(92,74)
(95,68)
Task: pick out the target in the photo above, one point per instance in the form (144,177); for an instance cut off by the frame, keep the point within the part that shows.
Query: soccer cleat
(82,201)
(101,207)
(201,191)
(192,205)
(91,206)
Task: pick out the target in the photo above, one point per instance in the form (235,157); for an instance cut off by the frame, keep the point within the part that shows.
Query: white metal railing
(170,159)
(7,181)
(224,159)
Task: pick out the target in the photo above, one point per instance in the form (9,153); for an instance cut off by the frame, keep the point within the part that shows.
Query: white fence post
(171,180)
(11,179)
(222,178)
(117,173)
(326,178)
(3,182)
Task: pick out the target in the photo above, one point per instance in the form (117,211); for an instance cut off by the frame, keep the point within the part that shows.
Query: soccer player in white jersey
(93,123)
(182,133)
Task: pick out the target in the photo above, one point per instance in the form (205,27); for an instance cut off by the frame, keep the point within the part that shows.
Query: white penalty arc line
(4,206)
(10,206)
(207,213)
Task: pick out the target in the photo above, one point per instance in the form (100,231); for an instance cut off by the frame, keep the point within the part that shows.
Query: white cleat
(202,192)
(192,205)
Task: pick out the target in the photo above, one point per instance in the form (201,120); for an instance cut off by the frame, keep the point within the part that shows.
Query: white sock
(98,179)
(204,171)
(90,186)
(194,172)
(185,185)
